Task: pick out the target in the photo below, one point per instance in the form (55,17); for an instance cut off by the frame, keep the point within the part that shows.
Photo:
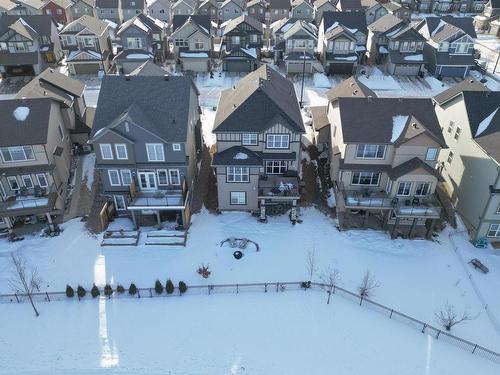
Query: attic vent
(166,77)
(127,77)
(234,105)
(51,70)
(44,93)
(471,81)
(369,97)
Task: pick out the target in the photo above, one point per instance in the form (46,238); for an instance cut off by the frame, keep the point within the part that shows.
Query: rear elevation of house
(258,155)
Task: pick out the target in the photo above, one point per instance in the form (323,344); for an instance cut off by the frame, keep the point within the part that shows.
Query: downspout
(481,220)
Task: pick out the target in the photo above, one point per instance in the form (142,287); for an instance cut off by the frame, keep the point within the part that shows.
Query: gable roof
(441,28)
(232,24)
(279,4)
(319,3)
(90,3)
(468,84)
(39,24)
(411,165)
(237,155)
(296,3)
(408,29)
(7,4)
(148,68)
(143,22)
(107,4)
(350,87)
(257,99)
(201,21)
(158,104)
(92,24)
(300,25)
(133,4)
(350,20)
(385,23)
(349,5)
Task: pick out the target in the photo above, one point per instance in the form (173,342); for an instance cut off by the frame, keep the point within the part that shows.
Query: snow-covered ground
(489,46)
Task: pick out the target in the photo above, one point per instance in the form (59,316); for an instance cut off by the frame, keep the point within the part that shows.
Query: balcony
(161,199)
(29,202)
(278,187)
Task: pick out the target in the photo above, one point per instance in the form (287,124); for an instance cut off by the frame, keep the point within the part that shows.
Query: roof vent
(51,70)
(234,105)
(369,97)
(354,92)
(127,77)
(352,83)
(166,77)
(415,125)
(471,81)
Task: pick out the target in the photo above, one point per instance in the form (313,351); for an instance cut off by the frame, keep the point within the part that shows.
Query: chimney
(127,77)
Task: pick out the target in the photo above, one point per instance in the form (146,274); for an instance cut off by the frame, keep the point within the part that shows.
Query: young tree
(158,287)
(25,278)
(367,286)
(311,263)
(169,287)
(449,317)
(70,293)
(331,278)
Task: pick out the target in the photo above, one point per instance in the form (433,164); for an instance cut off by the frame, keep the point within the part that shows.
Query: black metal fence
(277,287)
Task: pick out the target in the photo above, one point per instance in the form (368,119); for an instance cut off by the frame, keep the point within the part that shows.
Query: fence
(277,287)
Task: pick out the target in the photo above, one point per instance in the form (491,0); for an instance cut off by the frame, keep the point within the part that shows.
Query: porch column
(49,220)
(262,216)
(183,218)
(158,217)
(293,212)
(393,232)
(430,229)
(134,219)
(412,228)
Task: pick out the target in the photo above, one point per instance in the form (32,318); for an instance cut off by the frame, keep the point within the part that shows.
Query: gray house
(131,8)
(489,20)
(183,7)
(108,10)
(230,9)
(258,157)
(278,9)
(373,10)
(209,8)
(321,6)
(257,10)
(146,134)
(160,9)
(302,9)
(82,7)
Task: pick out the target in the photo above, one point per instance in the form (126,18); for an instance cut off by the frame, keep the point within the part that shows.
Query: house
(278,9)
(183,7)
(230,9)
(108,10)
(68,92)
(132,8)
(143,38)
(242,42)
(383,158)
(160,9)
(257,163)
(470,117)
(302,9)
(148,68)
(449,51)
(487,22)
(60,10)
(27,8)
(373,10)
(377,43)
(34,162)
(398,10)
(28,44)
(342,41)
(321,6)
(192,42)
(257,10)
(87,45)
(7,6)
(209,8)
(146,134)
(349,6)
(83,7)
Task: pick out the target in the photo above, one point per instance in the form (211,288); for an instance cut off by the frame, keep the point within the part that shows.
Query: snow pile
(435,84)
(346,58)
(353,31)
(88,170)
(193,54)
(333,26)
(398,125)
(321,81)
(137,56)
(418,57)
(330,201)
(240,156)
(483,125)
(378,81)
(207,124)
(21,113)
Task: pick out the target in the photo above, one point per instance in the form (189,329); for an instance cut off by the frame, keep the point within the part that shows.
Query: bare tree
(311,263)
(25,278)
(449,317)
(367,286)
(331,278)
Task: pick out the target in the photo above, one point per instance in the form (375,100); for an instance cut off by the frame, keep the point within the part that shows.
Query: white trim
(46,180)
(158,176)
(9,178)
(106,145)
(121,175)
(123,201)
(118,154)
(170,176)
(117,175)
(30,180)
(10,153)
(155,145)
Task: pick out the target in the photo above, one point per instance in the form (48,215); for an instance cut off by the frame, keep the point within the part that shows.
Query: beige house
(470,118)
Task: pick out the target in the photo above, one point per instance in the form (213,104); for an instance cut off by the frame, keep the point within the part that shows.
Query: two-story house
(489,20)
(28,44)
(342,41)
(373,10)
(132,8)
(258,157)
(303,10)
(192,42)
(449,50)
(146,135)
(34,162)
(470,118)
(108,10)
(87,45)
(230,9)
(27,7)
(321,6)
(242,42)
(60,10)
(83,7)
(184,7)
(377,43)
(257,10)
(209,8)
(142,38)
(398,10)
(160,9)
(277,10)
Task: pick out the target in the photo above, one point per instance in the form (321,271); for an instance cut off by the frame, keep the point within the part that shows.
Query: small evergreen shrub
(169,287)
(108,290)
(95,291)
(158,287)
(132,290)
(70,293)
(305,284)
(120,289)
(80,291)
(182,287)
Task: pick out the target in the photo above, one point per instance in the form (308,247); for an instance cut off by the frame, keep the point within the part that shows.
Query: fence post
(360,300)
(473,350)
(390,316)
(150,293)
(47,294)
(237,289)
(277,286)
(424,327)
(437,336)
(16,298)
(333,289)
(138,293)
(265,287)
(208,289)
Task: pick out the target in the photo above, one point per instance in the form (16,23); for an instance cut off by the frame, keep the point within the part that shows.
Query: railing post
(16,298)
(277,287)
(473,350)
(437,336)
(424,327)
(150,293)
(237,289)
(390,316)
(208,289)
(138,293)
(265,288)
(47,294)
(360,300)
(333,291)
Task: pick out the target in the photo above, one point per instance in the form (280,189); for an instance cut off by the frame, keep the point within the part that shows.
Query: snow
(240,156)
(88,170)
(353,31)
(137,22)
(21,113)
(393,32)
(440,25)
(398,125)
(286,27)
(250,51)
(74,54)
(360,48)
(193,54)
(347,58)
(137,56)
(321,81)
(435,83)
(418,57)
(331,198)
(333,26)
(207,124)
(483,125)
(378,81)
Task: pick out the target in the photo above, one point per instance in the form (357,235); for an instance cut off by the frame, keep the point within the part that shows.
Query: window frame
(496,231)
(458,133)
(170,179)
(110,171)
(250,141)
(274,136)
(273,164)
(9,181)
(406,191)
(238,202)
(120,145)
(124,172)
(376,157)
(449,159)
(237,171)
(105,145)
(10,150)
(159,179)
(419,185)
(116,204)
(359,173)
(436,153)
(155,145)
(28,179)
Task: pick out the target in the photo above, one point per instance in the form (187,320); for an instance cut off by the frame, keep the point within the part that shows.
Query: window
(176,146)
(121,151)
(443,47)
(253,38)
(181,43)
(458,131)
(126,177)
(276,166)
(175,177)
(162,177)
(498,208)
(494,230)
(340,45)
(235,39)
(198,44)
(366,151)
(114,177)
(451,125)
(450,158)
(106,152)
(404,188)
(277,140)
(27,181)
(42,180)
(155,152)
(3,46)
(48,11)
(460,48)
(119,202)
(17,153)
(249,139)
(431,153)
(2,192)
(238,198)
(134,43)
(13,183)
(365,178)
(423,189)
(238,174)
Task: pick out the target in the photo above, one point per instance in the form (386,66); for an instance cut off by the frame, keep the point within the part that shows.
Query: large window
(431,153)
(238,174)
(277,140)
(126,177)
(17,153)
(106,151)
(404,188)
(423,189)
(181,43)
(13,183)
(155,152)
(198,44)
(121,151)
(235,39)
(114,177)
(27,181)
(276,166)
(365,178)
(134,43)
(366,151)
(494,230)
(238,198)
(42,180)
(249,139)
(175,177)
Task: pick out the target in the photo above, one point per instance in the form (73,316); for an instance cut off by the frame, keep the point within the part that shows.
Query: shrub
(182,287)
(108,290)
(204,271)
(132,289)
(70,293)
(80,291)
(95,291)
(305,284)
(120,289)
(169,287)
(158,287)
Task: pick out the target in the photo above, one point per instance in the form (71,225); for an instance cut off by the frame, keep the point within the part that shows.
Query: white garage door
(195,65)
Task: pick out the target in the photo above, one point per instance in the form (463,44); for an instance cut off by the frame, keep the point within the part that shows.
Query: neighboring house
(303,10)
(83,7)
(28,44)
(192,42)
(132,8)
(146,134)
(149,68)
(321,6)
(470,117)
(398,10)
(377,44)
(277,10)
(183,7)
(449,51)
(87,45)
(142,38)
(60,10)
(27,7)
(342,41)
(209,8)
(242,42)
(373,10)
(230,9)
(108,10)
(7,6)
(488,21)
(349,6)
(34,163)
(258,158)
(257,10)
(383,158)
(160,9)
